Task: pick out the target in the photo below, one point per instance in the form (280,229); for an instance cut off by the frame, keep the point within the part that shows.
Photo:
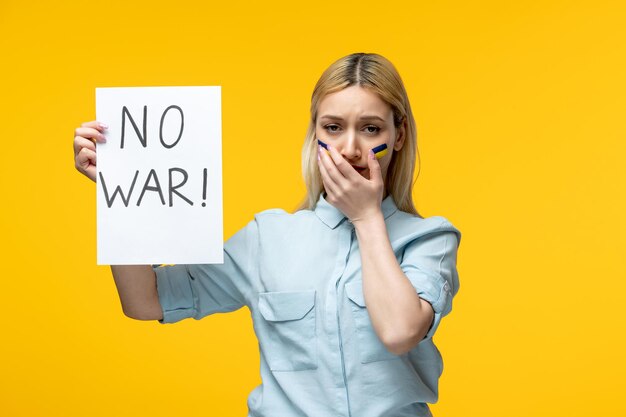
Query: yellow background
(520,111)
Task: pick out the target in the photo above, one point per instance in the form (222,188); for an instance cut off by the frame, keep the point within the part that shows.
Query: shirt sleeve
(197,290)
(429,262)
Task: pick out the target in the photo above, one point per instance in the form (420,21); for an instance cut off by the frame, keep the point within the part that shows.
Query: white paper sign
(159,176)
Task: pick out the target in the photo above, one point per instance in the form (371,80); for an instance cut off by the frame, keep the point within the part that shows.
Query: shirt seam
(252,256)
(443,255)
(193,293)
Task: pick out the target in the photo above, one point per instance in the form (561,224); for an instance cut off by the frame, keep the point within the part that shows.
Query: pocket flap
(286,305)
(354,290)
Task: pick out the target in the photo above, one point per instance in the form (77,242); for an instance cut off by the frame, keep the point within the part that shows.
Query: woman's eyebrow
(366,117)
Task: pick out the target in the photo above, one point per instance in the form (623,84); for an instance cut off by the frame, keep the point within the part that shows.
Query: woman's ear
(400,136)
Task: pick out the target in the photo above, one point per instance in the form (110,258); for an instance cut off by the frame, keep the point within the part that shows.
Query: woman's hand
(357,197)
(85,148)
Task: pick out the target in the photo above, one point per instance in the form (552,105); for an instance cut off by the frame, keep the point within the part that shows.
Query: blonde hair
(378,74)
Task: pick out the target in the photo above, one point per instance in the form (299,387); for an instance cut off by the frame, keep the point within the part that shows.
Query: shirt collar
(331,216)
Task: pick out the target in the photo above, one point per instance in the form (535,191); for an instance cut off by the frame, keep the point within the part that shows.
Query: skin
(85,148)
(399,316)
(344,123)
(136,284)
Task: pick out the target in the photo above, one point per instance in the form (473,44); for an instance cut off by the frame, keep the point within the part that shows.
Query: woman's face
(355,120)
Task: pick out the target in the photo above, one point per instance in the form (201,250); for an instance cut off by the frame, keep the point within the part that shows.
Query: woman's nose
(349,148)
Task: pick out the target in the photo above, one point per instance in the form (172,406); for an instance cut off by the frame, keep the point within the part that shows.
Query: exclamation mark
(204,172)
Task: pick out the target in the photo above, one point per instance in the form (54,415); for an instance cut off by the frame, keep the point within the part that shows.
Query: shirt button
(446,287)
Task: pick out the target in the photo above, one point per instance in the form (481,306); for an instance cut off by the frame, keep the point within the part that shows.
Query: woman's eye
(336,128)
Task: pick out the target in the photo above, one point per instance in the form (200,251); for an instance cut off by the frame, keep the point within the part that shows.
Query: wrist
(370,219)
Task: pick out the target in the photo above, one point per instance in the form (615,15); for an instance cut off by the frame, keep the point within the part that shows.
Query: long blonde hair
(375,72)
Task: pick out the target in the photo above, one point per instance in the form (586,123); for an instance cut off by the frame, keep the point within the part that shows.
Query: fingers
(85,147)
(86,163)
(341,166)
(90,133)
(329,184)
(335,176)
(95,124)
(85,158)
(80,142)
(374,168)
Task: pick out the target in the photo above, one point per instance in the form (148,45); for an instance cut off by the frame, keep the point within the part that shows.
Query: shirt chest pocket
(371,348)
(288,329)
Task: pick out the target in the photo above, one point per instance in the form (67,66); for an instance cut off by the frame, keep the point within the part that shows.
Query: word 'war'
(153,184)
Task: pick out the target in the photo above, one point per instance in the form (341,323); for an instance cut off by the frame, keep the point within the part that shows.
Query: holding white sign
(159,176)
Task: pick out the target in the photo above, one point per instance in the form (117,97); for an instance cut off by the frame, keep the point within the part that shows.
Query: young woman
(347,292)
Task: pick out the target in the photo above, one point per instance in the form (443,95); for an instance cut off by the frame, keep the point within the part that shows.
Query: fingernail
(102,125)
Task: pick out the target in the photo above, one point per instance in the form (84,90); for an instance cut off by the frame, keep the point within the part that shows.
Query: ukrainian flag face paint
(379,151)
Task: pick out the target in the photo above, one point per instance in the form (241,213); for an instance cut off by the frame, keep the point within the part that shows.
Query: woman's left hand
(356,196)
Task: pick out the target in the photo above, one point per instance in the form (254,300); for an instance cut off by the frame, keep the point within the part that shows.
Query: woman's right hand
(85,148)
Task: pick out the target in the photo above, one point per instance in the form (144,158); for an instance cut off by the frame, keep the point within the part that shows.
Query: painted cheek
(380,150)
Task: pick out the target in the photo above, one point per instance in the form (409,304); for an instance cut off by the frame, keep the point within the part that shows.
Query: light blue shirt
(300,276)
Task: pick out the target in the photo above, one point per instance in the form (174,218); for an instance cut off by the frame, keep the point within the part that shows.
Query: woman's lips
(358,168)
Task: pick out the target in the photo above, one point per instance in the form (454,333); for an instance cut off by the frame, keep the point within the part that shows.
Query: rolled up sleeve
(197,290)
(429,262)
